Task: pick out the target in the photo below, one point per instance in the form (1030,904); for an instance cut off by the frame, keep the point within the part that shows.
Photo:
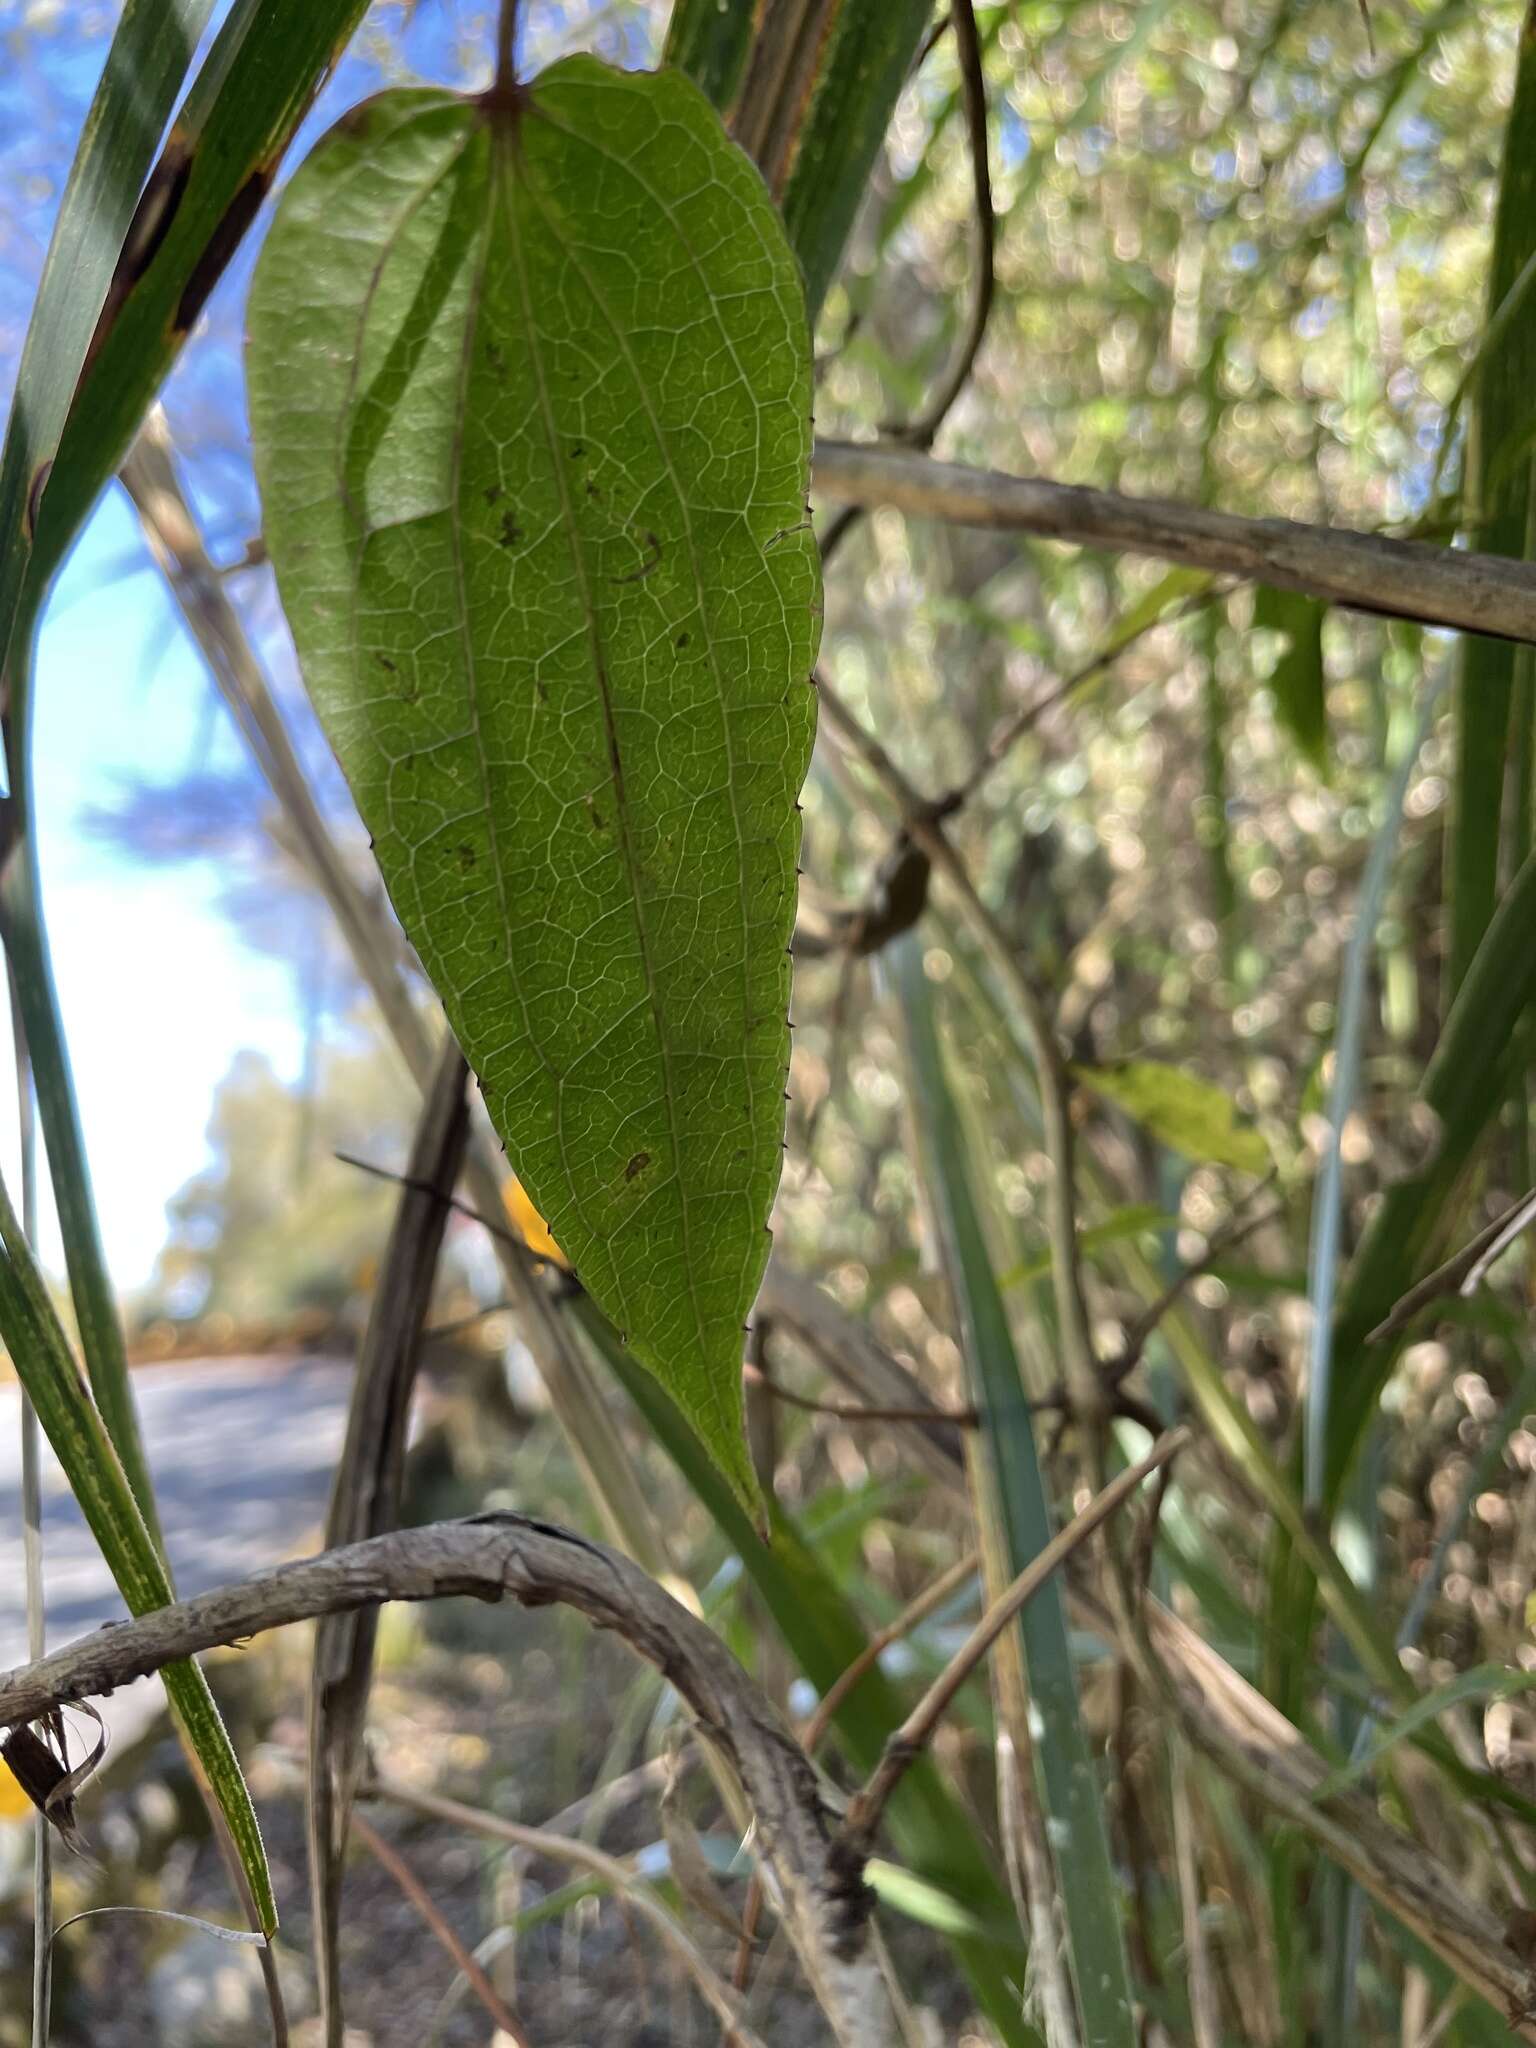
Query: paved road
(242,1452)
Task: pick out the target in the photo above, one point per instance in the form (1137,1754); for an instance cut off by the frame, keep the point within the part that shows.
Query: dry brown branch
(819,1893)
(1028,716)
(365,1499)
(847,1411)
(560,1848)
(1463,1272)
(912,1616)
(1368,572)
(1221,1242)
(812,1734)
(906,1743)
(1253,1743)
(857,1360)
(426,1906)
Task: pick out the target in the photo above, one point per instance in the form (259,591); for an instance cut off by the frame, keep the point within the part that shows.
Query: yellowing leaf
(1187,1114)
(529,1224)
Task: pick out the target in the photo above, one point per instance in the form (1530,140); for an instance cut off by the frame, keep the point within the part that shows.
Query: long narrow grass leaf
(150,55)
(1495,681)
(48,1371)
(825,1636)
(1074,1807)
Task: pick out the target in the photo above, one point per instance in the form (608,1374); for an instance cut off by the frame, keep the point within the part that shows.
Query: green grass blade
(1495,682)
(825,1635)
(709,39)
(149,57)
(859,79)
(53,1382)
(1487,1040)
(818,147)
(1483,1681)
(1484,1044)
(95,1305)
(229,136)
(1073,1801)
(241,110)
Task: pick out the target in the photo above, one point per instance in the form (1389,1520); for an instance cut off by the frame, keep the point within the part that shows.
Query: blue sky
(158,992)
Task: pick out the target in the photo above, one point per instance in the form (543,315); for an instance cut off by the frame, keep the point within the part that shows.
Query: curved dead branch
(825,1906)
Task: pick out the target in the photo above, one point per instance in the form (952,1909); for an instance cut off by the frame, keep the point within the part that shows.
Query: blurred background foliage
(1242,260)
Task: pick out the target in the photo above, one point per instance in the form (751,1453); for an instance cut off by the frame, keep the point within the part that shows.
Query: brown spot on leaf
(151,223)
(492,493)
(35,491)
(384,662)
(220,246)
(511,533)
(637,1164)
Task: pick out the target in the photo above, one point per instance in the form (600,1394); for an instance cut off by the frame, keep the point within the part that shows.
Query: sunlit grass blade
(1074,1808)
(48,1371)
(824,1635)
(1344,1930)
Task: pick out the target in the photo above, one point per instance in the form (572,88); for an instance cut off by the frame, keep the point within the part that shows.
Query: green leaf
(1297,677)
(53,1381)
(1191,1116)
(1494,687)
(530,397)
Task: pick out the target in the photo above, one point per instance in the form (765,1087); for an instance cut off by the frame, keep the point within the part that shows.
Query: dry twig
(907,1743)
(561,1848)
(427,1907)
(1448,587)
(365,1499)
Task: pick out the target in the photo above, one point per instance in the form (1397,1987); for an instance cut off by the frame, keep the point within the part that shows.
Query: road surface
(242,1451)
